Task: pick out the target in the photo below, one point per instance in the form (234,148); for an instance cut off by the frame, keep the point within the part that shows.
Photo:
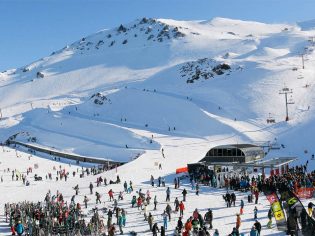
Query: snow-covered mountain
(216,81)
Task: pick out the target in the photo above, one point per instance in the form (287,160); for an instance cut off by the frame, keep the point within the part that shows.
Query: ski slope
(184,86)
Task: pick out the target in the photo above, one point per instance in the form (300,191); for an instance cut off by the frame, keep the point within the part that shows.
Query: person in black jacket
(155,229)
(184,195)
(208,218)
(291,224)
(228,199)
(257,226)
(233,198)
(180,224)
(162,231)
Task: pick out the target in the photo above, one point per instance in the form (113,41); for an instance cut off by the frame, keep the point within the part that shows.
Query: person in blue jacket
(19,228)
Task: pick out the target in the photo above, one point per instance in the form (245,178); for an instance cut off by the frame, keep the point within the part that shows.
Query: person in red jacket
(111,195)
(181,208)
(139,203)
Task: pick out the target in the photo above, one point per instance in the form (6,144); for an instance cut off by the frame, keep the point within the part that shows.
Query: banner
(277,210)
(305,192)
(295,208)
(181,170)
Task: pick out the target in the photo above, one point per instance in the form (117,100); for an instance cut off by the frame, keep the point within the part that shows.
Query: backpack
(19,228)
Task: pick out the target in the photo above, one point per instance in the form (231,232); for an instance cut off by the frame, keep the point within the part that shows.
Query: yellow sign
(279,215)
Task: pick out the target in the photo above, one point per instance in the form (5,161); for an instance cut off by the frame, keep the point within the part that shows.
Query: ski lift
(274,145)
(291,101)
(270,119)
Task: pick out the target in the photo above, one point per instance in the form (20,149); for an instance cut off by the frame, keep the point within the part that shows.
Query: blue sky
(31,29)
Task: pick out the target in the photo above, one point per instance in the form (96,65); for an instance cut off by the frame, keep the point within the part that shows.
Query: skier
(256,193)
(111,195)
(181,208)
(253,232)
(242,207)
(197,189)
(168,194)
(257,226)
(98,197)
(76,188)
(168,210)
(155,229)
(238,221)
(255,213)
(162,231)
(184,194)
(85,201)
(150,221)
(91,188)
(179,225)
(176,204)
(125,187)
(233,198)
(270,214)
(164,216)
(155,202)
(152,180)
(208,217)
(133,201)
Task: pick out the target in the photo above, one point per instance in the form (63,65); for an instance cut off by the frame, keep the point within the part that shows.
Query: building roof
(270,163)
(240,146)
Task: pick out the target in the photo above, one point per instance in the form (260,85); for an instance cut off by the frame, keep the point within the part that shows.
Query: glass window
(219,152)
(234,152)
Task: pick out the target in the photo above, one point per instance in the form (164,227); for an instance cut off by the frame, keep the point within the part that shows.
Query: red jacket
(181,206)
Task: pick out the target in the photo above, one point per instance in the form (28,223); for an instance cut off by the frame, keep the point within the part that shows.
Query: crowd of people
(55,215)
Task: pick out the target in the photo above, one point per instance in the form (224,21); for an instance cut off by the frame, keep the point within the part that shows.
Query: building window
(219,152)
(234,152)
